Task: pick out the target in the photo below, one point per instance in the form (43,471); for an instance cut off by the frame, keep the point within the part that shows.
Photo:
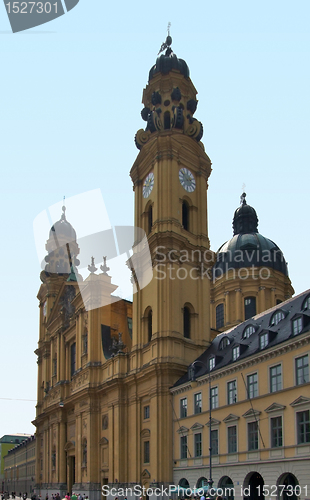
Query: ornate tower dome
(62,247)
(250,273)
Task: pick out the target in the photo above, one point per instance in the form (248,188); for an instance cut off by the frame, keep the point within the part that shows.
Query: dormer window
(264,340)
(248,331)
(224,343)
(277,317)
(211,363)
(236,352)
(297,325)
(306,304)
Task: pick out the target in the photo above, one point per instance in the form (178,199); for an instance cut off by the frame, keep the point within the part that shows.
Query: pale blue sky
(70,107)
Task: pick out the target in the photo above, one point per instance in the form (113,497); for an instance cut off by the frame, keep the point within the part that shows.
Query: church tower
(171,324)
(170,178)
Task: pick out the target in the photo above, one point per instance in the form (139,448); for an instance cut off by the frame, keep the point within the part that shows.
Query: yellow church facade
(104,414)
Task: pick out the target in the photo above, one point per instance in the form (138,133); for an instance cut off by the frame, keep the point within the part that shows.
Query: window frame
(263,335)
(146,452)
(197,444)
(229,442)
(236,348)
(248,395)
(146,412)
(214,398)
(183,446)
(220,316)
(249,310)
(197,407)
(271,378)
(254,433)
(305,355)
(275,314)
(299,322)
(230,392)
(215,440)
(304,423)
(274,439)
(183,408)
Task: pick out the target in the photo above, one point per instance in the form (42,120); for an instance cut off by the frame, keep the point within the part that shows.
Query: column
(227,309)
(262,299)
(62,461)
(238,305)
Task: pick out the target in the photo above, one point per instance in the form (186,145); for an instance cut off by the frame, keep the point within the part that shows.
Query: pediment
(145,433)
(274,407)
(214,421)
(251,413)
(300,401)
(182,429)
(196,426)
(104,440)
(145,474)
(230,418)
(69,446)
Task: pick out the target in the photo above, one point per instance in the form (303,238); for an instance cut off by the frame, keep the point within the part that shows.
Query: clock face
(148,185)
(187,179)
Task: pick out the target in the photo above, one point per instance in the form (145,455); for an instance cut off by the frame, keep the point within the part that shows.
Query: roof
(248,346)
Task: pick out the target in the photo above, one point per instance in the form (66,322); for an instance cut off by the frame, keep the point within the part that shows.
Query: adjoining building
(19,467)
(255,377)
(8,442)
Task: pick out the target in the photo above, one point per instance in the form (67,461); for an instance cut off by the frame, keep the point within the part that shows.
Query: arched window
(186,323)
(149,325)
(167,120)
(224,343)
(247,332)
(185,215)
(150,219)
(306,304)
(249,307)
(277,317)
(219,313)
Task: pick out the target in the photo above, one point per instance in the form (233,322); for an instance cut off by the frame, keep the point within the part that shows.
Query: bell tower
(170,177)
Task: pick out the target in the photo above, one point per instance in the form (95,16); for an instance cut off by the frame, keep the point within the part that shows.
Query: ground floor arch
(226,484)
(253,486)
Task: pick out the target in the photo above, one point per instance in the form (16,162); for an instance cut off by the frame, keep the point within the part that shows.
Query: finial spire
(105,268)
(167,43)
(92,268)
(242,199)
(63,215)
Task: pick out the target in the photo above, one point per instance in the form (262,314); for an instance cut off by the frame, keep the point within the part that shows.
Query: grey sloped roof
(279,333)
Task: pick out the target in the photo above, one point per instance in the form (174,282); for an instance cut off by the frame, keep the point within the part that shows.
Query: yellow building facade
(19,468)
(255,377)
(104,414)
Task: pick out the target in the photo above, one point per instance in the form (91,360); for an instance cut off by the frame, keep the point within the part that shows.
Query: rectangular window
(146,452)
(236,352)
(302,370)
(252,386)
(215,442)
(197,403)
(232,392)
(249,307)
(183,408)
(198,444)
(276,432)
(211,363)
(183,446)
(297,325)
(214,398)
(54,366)
(263,340)
(252,436)
(73,358)
(219,315)
(275,378)
(303,427)
(146,412)
(232,439)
